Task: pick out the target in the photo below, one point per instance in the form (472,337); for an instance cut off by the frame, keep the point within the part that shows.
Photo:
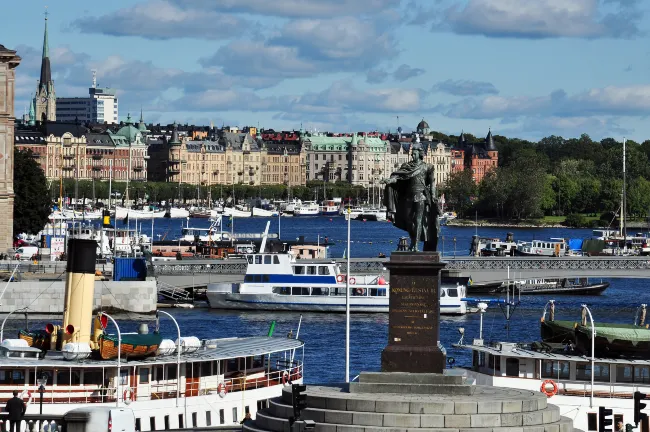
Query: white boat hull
(122,212)
(264,213)
(178,213)
(233,212)
(275,302)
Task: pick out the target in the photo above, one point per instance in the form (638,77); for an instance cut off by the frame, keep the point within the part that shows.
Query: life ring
(128,394)
(285,378)
(340,278)
(549,392)
(352,281)
(222,390)
(360,291)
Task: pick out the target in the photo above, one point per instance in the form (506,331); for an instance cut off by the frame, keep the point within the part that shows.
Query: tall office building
(100,106)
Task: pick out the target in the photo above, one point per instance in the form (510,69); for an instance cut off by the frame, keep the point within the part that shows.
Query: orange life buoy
(128,394)
(360,291)
(549,392)
(285,378)
(340,278)
(222,390)
(352,281)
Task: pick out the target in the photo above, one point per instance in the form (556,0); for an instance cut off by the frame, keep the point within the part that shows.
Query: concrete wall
(48,296)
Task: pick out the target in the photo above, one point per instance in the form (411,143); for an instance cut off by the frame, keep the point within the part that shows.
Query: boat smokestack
(79,290)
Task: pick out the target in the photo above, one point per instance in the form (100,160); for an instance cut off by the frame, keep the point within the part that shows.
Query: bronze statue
(412,203)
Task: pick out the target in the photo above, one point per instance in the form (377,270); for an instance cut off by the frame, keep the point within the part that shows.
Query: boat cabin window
(636,374)
(144,375)
(68,377)
(15,376)
(323,270)
(494,362)
(267,259)
(311,270)
(320,291)
(601,372)
(443,293)
(276,260)
(258,259)
(171,372)
(250,259)
(298,270)
(555,369)
(232,365)
(452,292)
(93,377)
(592,421)
(377,292)
(512,367)
(299,291)
(206,369)
(282,290)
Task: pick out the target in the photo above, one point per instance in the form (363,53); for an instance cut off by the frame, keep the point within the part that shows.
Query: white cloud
(535,19)
(612,100)
(160,19)
(294,8)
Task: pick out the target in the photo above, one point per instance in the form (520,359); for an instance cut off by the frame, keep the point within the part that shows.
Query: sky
(523,68)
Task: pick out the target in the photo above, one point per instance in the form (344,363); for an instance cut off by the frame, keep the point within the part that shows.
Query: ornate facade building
(70,151)
(8,63)
(45,98)
(479,158)
(227,158)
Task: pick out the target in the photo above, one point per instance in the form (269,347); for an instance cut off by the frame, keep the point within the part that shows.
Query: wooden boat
(133,345)
(560,286)
(485,288)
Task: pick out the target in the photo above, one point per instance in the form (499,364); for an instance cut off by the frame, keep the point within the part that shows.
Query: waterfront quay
(480,269)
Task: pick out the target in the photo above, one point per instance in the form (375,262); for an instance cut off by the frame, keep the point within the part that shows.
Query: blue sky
(524,68)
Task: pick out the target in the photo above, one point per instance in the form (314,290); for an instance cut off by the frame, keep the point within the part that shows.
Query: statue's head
(416,153)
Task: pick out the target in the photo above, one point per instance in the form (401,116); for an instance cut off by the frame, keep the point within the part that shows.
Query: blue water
(324,334)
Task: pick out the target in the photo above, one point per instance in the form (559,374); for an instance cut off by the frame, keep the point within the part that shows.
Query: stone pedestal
(414,314)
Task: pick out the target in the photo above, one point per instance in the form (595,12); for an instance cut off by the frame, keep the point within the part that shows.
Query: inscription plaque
(414,314)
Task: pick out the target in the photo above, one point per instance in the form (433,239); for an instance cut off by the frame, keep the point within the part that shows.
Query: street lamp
(119,358)
(178,353)
(41,389)
(585,310)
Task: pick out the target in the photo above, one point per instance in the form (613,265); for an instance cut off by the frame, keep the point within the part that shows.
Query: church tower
(45,100)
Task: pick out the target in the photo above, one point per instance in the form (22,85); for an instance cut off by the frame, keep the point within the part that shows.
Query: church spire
(46,74)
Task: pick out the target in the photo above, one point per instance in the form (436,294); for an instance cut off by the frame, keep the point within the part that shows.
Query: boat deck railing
(281,372)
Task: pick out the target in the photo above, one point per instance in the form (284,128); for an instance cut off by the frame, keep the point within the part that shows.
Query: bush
(576,220)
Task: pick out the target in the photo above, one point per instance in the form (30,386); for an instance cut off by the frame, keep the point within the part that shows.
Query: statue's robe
(399,198)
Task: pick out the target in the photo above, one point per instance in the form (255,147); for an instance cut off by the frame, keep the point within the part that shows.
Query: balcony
(138,168)
(67,167)
(174,171)
(68,157)
(36,155)
(98,167)
(98,157)
(173,162)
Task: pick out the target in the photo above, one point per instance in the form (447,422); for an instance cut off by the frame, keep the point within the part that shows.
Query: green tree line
(555,177)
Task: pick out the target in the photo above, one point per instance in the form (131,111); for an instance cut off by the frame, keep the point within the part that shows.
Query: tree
(32,205)
(460,192)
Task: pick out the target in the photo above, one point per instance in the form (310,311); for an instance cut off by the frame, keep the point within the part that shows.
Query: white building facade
(101,106)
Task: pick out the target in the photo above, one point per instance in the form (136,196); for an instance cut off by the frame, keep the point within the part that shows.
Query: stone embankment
(525,224)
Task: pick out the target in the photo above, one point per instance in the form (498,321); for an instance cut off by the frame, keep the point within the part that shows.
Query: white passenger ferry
(306,208)
(169,384)
(564,370)
(280,282)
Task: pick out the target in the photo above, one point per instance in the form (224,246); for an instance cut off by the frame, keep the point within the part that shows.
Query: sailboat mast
(623,211)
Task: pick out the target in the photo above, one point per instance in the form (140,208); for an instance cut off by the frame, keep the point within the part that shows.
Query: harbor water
(324,334)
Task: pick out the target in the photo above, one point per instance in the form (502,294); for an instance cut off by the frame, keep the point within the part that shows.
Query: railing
(35,423)
(173,293)
(547,263)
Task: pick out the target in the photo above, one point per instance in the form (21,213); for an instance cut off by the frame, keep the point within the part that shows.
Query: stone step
(423,389)
(485,400)
(409,378)
(464,417)
(267,422)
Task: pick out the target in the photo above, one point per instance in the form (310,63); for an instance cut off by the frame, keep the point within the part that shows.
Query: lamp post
(178,353)
(41,389)
(119,358)
(593,355)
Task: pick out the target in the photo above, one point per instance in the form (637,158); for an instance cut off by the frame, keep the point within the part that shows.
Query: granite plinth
(414,314)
